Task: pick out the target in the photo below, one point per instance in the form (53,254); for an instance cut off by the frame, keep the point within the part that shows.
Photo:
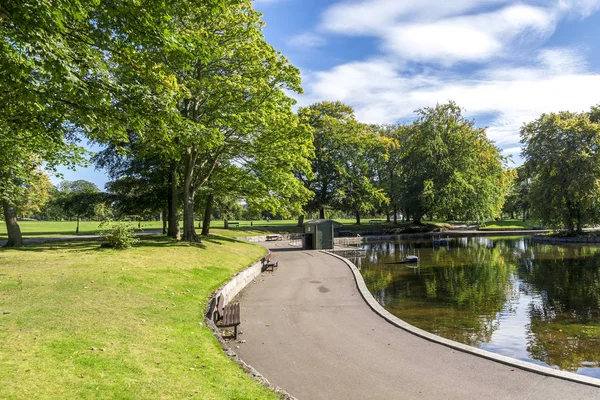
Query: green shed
(318,234)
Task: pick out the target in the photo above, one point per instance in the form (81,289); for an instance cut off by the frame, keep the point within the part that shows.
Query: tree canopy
(562,157)
(453,169)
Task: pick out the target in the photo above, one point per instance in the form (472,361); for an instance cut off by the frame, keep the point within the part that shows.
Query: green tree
(42,74)
(561,154)
(80,199)
(233,102)
(389,168)
(517,201)
(451,169)
(358,190)
(35,194)
(326,120)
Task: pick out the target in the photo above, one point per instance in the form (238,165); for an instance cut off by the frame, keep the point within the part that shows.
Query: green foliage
(346,153)
(119,235)
(517,201)
(451,169)
(562,157)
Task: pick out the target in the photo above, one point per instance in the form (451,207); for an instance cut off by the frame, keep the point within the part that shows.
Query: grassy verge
(512,224)
(48,229)
(77,321)
(32,229)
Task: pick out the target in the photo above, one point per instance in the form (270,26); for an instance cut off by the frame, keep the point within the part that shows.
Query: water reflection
(534,302)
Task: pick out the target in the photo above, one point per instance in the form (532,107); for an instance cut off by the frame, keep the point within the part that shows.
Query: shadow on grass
(218,239)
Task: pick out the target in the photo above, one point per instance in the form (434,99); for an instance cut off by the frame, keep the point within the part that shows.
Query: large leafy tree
(451,168)
(233,106)
(517,201)
(561,154)
(45,77)
(79,199)
(92,67)
(359,190)
(389,168)
(325,120)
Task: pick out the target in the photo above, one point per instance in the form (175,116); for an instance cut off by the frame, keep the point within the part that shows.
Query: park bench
(227,316)
(274,237)
(268,262)
(233,224)
(376,221)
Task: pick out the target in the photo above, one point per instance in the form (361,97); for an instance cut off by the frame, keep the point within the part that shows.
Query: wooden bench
(226,316)
(376,221)
(233,224)
(268,262)
(274,237)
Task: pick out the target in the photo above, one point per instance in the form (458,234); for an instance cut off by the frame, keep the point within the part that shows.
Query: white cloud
(451,31)
(512,78)
(306,40)
(382,93)
(375,16)
(468,38)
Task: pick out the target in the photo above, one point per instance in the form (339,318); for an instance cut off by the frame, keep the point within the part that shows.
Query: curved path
(308,330)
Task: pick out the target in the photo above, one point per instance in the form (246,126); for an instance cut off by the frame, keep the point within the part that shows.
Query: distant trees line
(191,106)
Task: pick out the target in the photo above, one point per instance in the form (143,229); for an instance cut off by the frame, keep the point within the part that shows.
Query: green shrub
(119,235)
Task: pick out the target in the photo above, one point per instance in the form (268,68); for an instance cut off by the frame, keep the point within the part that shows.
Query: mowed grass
(512,224)
(77,321)
(48,229)
(32,229)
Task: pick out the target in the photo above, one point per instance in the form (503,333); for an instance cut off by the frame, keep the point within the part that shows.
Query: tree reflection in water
(473,288)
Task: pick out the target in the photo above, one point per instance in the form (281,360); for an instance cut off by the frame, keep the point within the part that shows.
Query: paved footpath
(308,330)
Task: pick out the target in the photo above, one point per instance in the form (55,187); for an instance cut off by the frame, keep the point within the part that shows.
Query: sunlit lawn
(38,229)
(77,321)
(512,224)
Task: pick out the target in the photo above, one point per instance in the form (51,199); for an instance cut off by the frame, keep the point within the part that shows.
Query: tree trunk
(189,230)
(77,230)
(15,239)
(207,215)
(164,221)
(301,220)
(322,213)
(357,214)
(395,215)
(173,228)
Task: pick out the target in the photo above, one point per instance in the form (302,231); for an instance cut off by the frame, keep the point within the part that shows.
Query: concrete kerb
(392,319)
(229,290)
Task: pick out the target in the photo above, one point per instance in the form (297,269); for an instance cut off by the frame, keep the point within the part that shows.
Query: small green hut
(318,234)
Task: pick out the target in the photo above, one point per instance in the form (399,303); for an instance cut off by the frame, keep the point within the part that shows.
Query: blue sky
(505,62)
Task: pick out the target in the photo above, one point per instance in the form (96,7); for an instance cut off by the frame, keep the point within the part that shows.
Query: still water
(534,302)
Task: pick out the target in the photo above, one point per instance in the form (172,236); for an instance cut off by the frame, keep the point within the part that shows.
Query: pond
(533,302)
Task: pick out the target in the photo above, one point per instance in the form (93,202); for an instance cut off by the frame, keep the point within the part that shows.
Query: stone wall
(238,282)
(564,240)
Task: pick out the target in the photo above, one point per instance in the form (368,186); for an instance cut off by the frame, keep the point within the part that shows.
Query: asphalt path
(307,329)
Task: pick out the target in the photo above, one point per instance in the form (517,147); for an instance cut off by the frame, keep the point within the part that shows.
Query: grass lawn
(33,229)
(512,224)
(77,321)
(66,228)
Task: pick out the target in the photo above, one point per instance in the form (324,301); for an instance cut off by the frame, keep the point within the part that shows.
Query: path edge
(513,362)
(230,290)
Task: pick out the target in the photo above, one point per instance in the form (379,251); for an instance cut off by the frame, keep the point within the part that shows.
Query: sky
(505,62)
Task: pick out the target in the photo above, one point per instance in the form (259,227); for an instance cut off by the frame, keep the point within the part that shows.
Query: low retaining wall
(564,240)
(229,291)
(258,239)
(239,281)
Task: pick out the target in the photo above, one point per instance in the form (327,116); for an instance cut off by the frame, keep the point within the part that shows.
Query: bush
(119,235)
